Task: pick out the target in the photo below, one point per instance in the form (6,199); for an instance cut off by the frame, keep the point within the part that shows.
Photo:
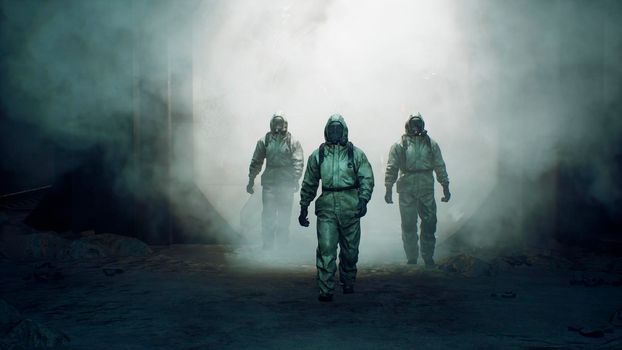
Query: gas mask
(415,125)
(277,125)
(334,133)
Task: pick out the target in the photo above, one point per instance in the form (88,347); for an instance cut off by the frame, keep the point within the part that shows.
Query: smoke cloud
(512,92)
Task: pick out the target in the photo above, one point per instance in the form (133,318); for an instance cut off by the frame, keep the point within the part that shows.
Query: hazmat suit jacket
(284,161)
(415,158)
(337,171)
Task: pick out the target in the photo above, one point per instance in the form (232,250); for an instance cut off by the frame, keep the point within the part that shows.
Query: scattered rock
(108,244)
(17,332)
(34,335)
(466,265)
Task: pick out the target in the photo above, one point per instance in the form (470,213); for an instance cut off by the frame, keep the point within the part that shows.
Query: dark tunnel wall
(106,100)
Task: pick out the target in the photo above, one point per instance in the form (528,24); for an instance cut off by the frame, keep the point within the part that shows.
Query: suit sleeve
(257,161)
(297,160)
(311,180)
(439,166)
(365,177)
(393,166)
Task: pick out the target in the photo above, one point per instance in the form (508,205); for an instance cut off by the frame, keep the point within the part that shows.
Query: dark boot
(325,297)
(429,263)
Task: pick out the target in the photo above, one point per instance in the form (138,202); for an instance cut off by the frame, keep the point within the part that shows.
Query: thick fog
(490,99)
(374,63)
(491,80)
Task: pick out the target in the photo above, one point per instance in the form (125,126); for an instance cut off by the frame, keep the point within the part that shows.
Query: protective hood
(274,120)
(409,130)
(337,118)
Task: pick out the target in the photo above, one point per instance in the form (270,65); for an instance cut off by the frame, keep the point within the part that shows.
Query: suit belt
(416,171)
(339,189)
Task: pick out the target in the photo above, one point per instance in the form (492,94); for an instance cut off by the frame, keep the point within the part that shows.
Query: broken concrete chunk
(34,335)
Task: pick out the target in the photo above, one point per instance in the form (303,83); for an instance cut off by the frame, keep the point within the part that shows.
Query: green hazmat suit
(284,164)
(347,179)
(414,159)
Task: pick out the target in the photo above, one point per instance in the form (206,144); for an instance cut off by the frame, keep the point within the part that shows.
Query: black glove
(446,194)
(362,208)
(302,218)
(249,187)
(388,197)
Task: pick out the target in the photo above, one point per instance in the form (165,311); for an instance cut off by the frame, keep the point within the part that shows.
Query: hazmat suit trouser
(276,215)
(413,206)
(333,230)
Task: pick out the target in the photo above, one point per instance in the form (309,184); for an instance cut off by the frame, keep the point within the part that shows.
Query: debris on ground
(466,265)
(17,332)
(107,244)
(50,246)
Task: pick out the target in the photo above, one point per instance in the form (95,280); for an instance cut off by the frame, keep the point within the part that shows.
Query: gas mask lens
(334,132)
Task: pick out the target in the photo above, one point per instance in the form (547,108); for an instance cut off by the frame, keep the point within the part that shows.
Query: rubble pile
(107,244)
(19,242)
(17,332)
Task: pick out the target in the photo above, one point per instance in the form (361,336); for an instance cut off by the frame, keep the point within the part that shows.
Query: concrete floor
(207,297)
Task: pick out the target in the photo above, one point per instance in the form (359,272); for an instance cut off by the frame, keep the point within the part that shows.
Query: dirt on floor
(211,297)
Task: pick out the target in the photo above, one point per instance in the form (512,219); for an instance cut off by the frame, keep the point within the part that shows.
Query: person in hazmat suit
(279,181)
(347,185)
(414,158)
